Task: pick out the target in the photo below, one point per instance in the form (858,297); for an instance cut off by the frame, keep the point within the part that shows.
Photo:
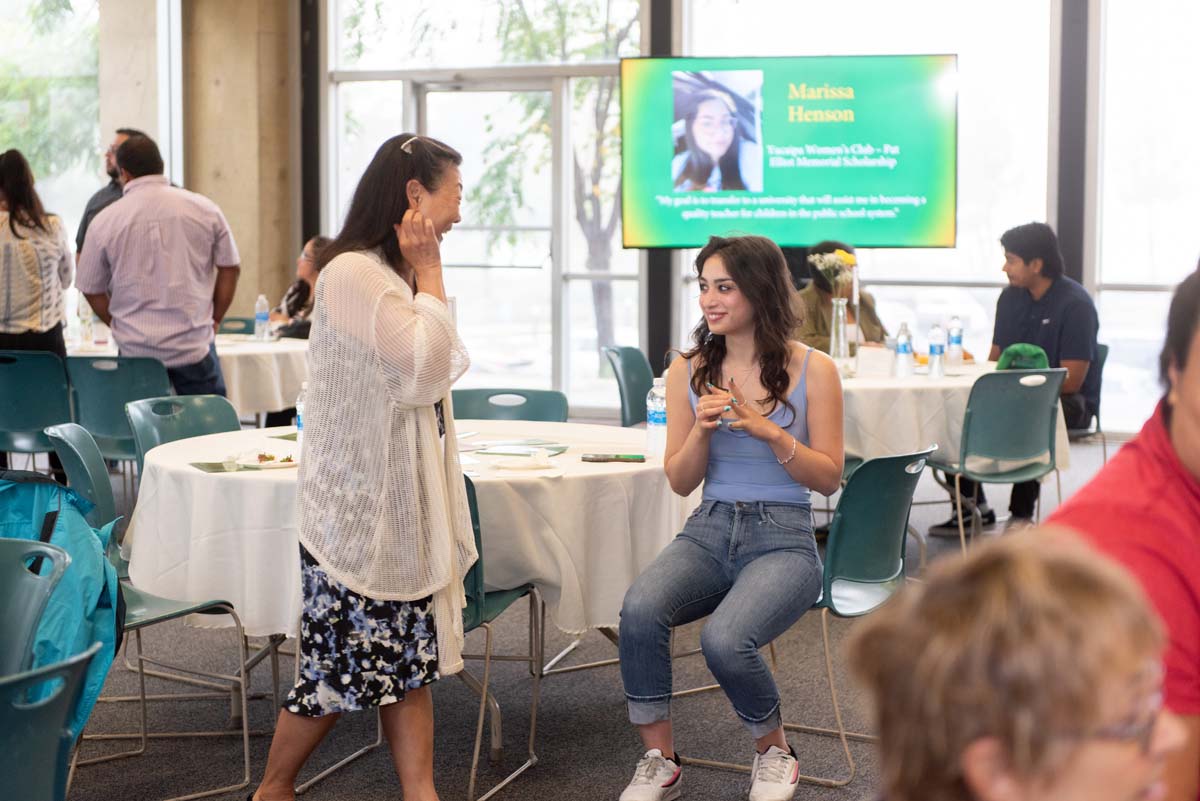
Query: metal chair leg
(840,732)
(366,749)
(958,505)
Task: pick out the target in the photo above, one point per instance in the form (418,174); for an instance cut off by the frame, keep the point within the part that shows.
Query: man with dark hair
(1043,307)
(108,194)
(160,268)
(1143,510)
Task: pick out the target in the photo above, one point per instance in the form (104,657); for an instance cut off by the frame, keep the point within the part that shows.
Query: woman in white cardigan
(385,530)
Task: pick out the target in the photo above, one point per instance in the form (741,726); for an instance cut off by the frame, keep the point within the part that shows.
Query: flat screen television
(861,149)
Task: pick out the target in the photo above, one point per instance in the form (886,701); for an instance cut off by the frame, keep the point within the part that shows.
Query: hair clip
(407,146)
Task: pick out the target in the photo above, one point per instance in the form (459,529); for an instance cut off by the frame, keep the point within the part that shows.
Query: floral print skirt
(357,652)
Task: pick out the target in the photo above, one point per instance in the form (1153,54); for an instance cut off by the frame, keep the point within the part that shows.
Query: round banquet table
(260,376)
(887,415)
(580,532)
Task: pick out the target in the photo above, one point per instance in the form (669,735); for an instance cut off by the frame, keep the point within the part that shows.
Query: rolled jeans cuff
(761,728)
(642,713)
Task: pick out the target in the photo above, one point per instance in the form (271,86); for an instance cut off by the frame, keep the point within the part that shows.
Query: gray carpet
(586,747)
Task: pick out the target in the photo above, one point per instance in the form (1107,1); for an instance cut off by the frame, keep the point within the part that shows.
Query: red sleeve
(1165,561)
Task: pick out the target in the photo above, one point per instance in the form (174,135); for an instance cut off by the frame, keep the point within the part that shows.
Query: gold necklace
(745,375)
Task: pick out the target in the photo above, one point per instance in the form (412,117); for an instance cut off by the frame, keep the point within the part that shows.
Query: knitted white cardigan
(382,503)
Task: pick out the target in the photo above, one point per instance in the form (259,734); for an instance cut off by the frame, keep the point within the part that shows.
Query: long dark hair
(381,197)
(698,165)
(757,266)
(16,182)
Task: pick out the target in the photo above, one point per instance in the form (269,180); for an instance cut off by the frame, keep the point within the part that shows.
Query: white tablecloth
(886,415)
(581,533)
(262,376)
(259,376)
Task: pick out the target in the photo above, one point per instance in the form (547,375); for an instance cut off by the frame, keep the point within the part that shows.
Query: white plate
(252,461)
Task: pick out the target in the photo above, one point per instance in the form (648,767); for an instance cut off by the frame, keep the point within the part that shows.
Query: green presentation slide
(861,149)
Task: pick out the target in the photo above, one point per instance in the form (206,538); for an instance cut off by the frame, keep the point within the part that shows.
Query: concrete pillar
(238,90)
(128,67)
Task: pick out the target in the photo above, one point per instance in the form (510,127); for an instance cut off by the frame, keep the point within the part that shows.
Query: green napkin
(218,467)
(520,450)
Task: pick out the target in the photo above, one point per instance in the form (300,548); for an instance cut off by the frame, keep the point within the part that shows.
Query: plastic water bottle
(656,419)
(954,350)
(904,352)
(937,351)
(300,413)
(262,315)
(87,330)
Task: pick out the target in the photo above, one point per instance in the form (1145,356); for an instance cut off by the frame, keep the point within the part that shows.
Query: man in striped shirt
(160,267)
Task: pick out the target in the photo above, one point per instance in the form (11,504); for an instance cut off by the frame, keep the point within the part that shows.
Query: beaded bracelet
(790,456)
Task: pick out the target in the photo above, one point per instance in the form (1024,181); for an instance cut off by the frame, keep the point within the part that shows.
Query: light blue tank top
(742,468)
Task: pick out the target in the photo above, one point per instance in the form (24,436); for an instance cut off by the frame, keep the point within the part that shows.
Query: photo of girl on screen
(716,131)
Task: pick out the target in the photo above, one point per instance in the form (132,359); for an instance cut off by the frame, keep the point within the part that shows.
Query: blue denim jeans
(202,378)
(753,569)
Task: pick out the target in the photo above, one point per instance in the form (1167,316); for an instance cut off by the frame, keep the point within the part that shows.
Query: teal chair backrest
(546,405)
(23,596)
(1022,356)
(865,552)
(155,421)
(36,738)
(103,385)
(236,325)
(473,581)
(634,379)
(1101,358)
(1011,416)
(87,475)
(33,395)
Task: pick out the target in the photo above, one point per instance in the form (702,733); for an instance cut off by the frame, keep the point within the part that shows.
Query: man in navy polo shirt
(1046,308)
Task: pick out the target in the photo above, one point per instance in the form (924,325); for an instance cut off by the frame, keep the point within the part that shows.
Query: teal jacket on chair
(83,608)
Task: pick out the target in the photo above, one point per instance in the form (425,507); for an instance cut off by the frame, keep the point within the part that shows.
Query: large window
(49,99)
(1149,193)
(1003,124)
(528,92)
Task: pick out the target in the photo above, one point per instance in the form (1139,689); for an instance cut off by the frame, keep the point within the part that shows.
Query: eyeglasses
(1139,728)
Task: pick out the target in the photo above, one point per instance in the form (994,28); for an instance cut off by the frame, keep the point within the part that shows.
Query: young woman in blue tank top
(758,419)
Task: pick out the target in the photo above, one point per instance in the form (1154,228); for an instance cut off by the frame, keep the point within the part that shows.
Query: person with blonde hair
(1030,670)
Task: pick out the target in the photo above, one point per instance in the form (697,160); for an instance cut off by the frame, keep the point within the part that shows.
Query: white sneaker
(774,775)
(655,779)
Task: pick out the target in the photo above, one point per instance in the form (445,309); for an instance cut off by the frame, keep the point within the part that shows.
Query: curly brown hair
(757,266)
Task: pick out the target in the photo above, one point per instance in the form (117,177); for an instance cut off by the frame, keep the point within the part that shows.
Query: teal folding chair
(33,394)
(634,379)
(102,386)
(546,405)
(1007,435)
(1074,434)
(142,610)
(29,572)
(236,325)
(155,421)
(86,474)
(36,738)
(482,608)
(864,566)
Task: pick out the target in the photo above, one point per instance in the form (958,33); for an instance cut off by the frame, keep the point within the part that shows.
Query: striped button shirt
(35,268)
(156,252)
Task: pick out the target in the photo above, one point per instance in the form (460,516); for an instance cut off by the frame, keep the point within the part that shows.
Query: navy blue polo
(1063,323)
